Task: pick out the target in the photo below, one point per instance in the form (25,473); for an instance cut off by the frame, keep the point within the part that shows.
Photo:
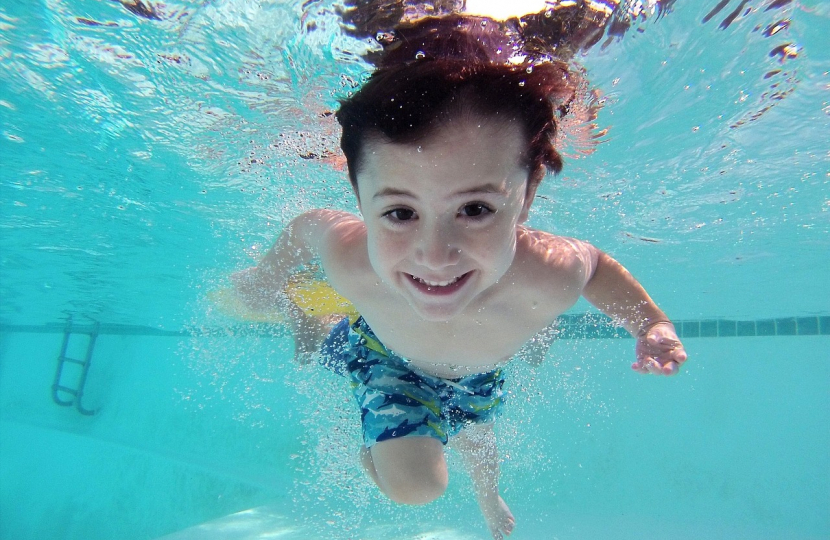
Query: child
(445,156)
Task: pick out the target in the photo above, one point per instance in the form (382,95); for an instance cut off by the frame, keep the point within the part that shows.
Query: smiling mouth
(439,287)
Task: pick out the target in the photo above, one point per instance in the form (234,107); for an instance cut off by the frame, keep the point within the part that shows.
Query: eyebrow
(486,188)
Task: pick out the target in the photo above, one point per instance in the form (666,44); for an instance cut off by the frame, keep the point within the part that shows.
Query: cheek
(384,250)
(497,248)
(504,249)
(499,237)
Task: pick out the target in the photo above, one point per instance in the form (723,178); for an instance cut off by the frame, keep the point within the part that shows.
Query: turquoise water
(142,160)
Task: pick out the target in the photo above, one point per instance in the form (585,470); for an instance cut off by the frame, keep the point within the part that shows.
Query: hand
(659,350)
(246,286)
(257,290)
(308,331)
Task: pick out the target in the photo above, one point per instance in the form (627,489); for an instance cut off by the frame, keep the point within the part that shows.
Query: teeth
(437,283)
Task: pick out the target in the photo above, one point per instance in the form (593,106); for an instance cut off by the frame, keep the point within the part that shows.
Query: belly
(456,348)
(454,371)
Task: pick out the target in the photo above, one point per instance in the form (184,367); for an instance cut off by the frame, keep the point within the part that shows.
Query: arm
(613,290)
(262,286)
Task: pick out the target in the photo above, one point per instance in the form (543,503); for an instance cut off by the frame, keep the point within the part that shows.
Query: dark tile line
(597,326)
(571,326)
(785,326)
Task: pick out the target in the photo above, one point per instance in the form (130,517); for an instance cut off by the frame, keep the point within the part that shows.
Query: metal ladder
(76,393)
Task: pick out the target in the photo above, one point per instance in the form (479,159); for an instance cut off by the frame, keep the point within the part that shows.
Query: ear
(530,194)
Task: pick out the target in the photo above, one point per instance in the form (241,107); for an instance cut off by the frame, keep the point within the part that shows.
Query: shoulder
(549,259)
(322,219)
(329,234)
(326,229)
(339,231)
(342,249)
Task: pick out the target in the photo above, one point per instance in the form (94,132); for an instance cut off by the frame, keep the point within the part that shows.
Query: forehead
(462,151)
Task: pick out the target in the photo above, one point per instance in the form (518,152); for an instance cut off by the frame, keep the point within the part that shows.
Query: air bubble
(420,55)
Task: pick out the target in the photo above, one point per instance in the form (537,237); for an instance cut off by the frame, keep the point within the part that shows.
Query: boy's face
(441,215)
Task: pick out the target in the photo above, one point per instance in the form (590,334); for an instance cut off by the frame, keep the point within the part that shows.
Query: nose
(436,246)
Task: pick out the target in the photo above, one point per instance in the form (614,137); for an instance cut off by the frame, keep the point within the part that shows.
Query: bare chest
(472,343)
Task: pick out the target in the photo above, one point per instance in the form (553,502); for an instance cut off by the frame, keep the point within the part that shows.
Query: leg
(477,445)
(396,402)
(408,470)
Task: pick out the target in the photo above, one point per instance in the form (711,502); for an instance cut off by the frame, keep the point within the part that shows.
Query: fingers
(670,368)
(639,367)
(647,365)
(659,351)
(653,366)
(507,529)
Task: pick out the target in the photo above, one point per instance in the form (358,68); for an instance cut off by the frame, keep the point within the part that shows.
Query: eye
(474,210)
(400,214)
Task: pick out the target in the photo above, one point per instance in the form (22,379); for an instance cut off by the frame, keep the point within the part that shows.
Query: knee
(415,487)
(409,470)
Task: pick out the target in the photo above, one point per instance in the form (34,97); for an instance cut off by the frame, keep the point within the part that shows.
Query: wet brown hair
(441,69)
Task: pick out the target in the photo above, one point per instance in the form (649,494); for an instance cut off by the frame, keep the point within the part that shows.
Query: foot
(499,519)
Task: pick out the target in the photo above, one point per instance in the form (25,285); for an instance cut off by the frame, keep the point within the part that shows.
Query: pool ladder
(76,393)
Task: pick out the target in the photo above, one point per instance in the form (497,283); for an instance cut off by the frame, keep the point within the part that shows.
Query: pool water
(144,159)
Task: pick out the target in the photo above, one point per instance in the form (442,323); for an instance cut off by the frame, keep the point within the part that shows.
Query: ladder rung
(67,390)
(73,360)
(76,393)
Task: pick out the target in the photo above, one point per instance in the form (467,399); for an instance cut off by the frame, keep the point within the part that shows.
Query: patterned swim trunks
(396,399)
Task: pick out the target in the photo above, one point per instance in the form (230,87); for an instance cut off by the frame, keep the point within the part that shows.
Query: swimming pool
(144,159)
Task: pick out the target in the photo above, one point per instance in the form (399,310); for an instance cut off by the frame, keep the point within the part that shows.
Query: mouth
(439,288)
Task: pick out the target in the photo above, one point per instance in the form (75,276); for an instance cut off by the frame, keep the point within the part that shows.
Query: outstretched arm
(616,293)
(261,287)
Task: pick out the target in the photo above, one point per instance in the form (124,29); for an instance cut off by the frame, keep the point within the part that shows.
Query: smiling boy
(445,158)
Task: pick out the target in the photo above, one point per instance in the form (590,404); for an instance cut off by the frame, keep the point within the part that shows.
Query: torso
(536,289)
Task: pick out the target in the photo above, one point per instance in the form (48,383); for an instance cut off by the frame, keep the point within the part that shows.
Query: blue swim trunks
(396,399)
